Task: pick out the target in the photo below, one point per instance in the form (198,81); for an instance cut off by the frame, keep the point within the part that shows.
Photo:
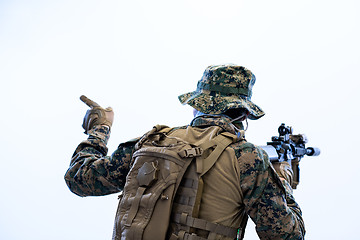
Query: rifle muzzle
(312,151)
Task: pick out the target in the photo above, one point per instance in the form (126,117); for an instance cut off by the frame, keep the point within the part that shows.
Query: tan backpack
(160,161)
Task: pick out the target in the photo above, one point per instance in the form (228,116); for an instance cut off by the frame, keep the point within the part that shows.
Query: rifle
(291,148)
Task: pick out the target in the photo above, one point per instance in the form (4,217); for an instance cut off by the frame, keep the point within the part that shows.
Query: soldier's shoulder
(244,146)
(125,149)
(130,142)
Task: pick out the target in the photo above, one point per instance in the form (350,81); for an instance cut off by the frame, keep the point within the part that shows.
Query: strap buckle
(191,152)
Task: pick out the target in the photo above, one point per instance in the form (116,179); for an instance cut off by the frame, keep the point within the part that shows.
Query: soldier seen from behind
(198,181)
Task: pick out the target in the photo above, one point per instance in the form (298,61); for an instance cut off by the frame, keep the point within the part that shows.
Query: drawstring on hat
(233,121)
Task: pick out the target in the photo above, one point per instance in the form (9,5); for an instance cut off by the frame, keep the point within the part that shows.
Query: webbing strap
(203,165)
(202,224)
(221,142)
(188,236)
(135,206)
(182,235)
(188,182)
(200,189)
(185,200)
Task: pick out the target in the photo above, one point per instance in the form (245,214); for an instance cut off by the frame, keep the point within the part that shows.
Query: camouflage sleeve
(268,201)
(92,172)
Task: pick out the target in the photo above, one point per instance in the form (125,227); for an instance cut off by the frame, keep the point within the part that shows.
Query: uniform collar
(222,121)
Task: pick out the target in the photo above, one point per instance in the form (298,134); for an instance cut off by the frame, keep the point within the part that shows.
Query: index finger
(88,101)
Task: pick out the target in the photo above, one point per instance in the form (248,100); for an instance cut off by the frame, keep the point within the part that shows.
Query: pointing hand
(96,115)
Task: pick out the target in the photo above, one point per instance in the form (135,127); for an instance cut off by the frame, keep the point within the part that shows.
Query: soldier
(241,183)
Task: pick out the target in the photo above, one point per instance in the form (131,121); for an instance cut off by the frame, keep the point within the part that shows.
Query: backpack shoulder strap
(187,219)
(220,142)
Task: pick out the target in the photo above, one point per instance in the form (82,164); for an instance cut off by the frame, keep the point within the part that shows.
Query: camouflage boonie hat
(224,87)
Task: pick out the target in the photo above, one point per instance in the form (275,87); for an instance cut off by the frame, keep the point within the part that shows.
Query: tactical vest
(162,194)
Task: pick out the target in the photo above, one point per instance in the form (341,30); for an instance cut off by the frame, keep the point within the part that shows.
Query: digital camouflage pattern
(265,198)
(92,172)
(224,87)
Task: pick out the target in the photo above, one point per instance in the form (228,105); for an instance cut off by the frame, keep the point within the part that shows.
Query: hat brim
(217,104)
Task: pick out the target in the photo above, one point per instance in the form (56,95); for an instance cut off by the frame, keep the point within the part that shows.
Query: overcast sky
(137,57)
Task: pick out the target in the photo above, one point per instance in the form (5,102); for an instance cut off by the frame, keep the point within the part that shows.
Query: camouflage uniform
(264,197)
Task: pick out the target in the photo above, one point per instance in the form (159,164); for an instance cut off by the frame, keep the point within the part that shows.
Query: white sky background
(138,56)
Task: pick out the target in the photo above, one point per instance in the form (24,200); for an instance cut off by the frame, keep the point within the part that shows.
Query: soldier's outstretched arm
(268,200)
(91,171)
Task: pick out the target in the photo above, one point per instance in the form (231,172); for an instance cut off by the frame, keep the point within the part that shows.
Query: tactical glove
(284,170)
(96,115)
